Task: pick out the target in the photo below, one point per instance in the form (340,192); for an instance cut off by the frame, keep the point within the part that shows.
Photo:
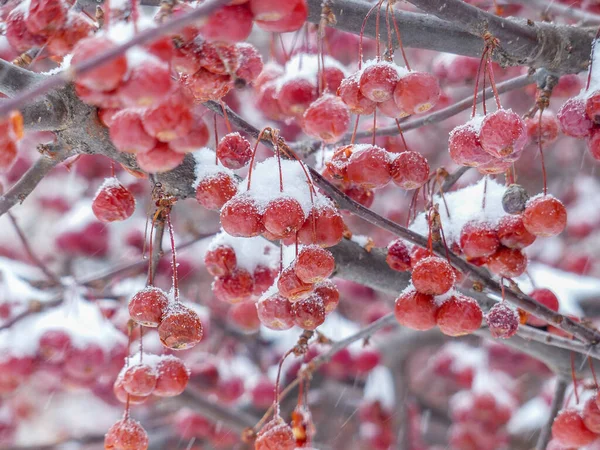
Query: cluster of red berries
(305,296)
(50,24)
(491,142)
(579,117)
(288,92)
(359,168)
(162,376)
(179,327)
(234,284)
(113,201)
(577,427)
(11,130)
(394,90)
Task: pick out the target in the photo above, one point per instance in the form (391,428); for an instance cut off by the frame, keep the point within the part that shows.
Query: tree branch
(557,402)
(14,79)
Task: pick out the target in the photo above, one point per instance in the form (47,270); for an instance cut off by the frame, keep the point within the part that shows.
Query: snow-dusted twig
(557,8)
(557,402)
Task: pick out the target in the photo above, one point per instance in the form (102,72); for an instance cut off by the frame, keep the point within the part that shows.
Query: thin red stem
(477,83)
(544,175)
(361,36)
(573,376)
(174,258)
(355,130)
(400,40)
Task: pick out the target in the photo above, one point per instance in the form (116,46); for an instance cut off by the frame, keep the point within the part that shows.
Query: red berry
(415,310)
(113,202)
(271,10)
(349,92)
(232,23)
(502,133)
(264,277)
(465,148)
(592,106)
(19,37)
(147,84)
(219,57)
(8,154)
(398,256)
(275,312)
(378,81)
(313,264)
(292,287)
(332,76)
(275,435)
(139,380)
(369,167)
(128,133)
(512,232)
(195,139)
(148,306)
(244,317)
(458,316)
(235,287)
(416,92)
(54,345)
(570,430)
(220,261)
(214,191)
(433,276)
(283,217)
(390,109)
(309,312)
(78,26)
(593,143)
(84,363)
(410,170)
(172,377)
(324,226)
(327,119)
(291,22)
(170,119)
(180,327)
(329,293)
(126,434)
(549,128)
(547,298)
(250,63)
(478,239)
(573,119)
(234,151)
(591,415)
(45,17)
(267,103)
(295,96)
(105,77)
(160,159)
(507,262)
(502,320)
(123,396)
(241,217)
(545,216)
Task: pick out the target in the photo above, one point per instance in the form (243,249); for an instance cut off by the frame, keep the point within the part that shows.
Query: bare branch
(557,402)
(561,9)
(14,80)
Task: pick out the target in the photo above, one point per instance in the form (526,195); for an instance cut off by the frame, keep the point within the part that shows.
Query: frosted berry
(250,63)
(17,34)
(415,310)
(128,133)
(220,261)
(513,234)
(195,139)
(349,92)
(264,277)
(147,84)
(570,430)
(235,287)
(433,276)
(276,434)
(105,77)
(502,320)
(271,10)
(417,92)
(241,217)
(465,148)
(478,239)
(547,298)
(545,216)
(54,345)
(410,170)
(327,119)
(292,287)
(214,191)
(378,82)
(139,380)
(234,151)
(593,143)
(283,217)
(313,264)
(275,312)
(180,327)
(206,85)
(592,106)
(507,262)
(148,306)
(398,256)
(295,96)
(126,434)
(573,119)
(324,226)
(549,128)
(591,415)
(172,377)
(309,312)
(288,23)
(46,17)
(369,167)
(459,315)
(231,23)
(160,159)
(502,133)
(329,293)
(515,199)
(113,202)
(169,120)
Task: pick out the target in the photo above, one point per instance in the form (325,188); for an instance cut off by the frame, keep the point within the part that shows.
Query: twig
(557,402)
(558,8)
(453,178)
(38,262)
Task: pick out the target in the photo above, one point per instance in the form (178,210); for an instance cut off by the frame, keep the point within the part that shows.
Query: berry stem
(399,39)
(227,124)
(490,71)
(401,134)
(591,364)
(135,14)
(574,377)
(374,127)
(361,36)
(544,176)
(377,31)
(258,139)
(216,136)
(174,256)
(355,129)
(477,83)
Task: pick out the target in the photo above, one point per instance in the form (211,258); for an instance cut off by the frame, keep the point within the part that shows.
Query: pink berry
(170,119)
(283,217)
(369,167)
(139,380)
(410,170)
(220,261)
(172,377)
(147,84)
(126,434)
(113,202)
(416,92)
(180,327)
(502,133)
(290,22)
(573,119)
(570,430)
(214,191)
(148,306)
(502,320)
(465,148)
(128,134)
(275,312)
(547,298)
(314,264)
(507,262)
(241,217)
(327,119)
(105,77)
(416,310)
(295,96)
(309,312)
(350,93)
(478,239)
(378,82)
(433,276)
(545,216)
(46,16)
(459,315)
(398,256)
(231,23)
(234,151)
(160,159)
